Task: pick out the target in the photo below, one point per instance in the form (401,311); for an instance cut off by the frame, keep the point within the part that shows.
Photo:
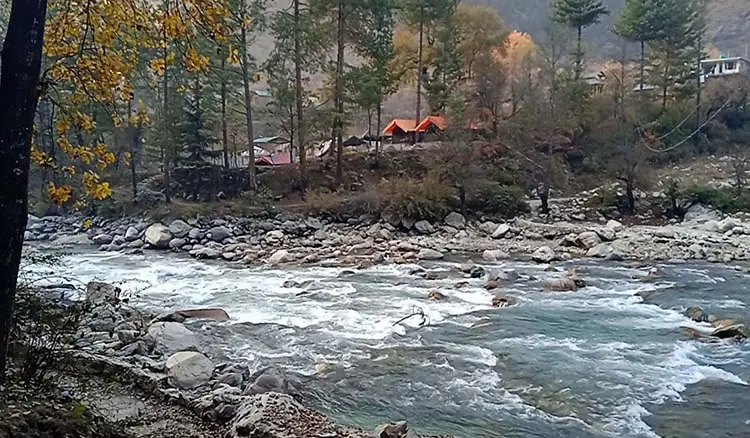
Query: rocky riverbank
(361,242)
(166,361)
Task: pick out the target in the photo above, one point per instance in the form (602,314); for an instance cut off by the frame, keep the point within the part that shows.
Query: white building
(720,67)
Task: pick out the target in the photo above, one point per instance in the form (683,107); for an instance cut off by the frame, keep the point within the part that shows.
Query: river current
(598,362)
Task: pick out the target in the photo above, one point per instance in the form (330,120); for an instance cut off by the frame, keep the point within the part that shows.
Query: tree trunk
(19,77)
(631,197)
(340,95)
(248,104)
(379,138)
(420,62)
(579,55)
(301,132)
(166,155)
(665,88)
(224,134)
(643,65)
(698,93)
(544,198)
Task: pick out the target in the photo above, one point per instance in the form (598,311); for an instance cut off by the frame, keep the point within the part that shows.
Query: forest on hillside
(155,101)
(728,23)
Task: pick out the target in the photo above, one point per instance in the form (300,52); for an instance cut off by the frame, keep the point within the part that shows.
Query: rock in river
(171,337)
(429,254)
(544,254)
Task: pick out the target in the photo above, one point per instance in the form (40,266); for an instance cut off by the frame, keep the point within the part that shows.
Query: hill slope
(729,24)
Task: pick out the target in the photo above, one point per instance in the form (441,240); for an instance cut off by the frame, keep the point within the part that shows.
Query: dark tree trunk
(301,132)
(631,197)
(19,77)
(224,139)
(643,65)
(420,49)
(340,95)
(379,138)
(248,103)
(579,55)
(166,155)
(544,198)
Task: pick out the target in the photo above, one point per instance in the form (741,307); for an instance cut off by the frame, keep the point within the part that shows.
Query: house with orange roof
(402,130)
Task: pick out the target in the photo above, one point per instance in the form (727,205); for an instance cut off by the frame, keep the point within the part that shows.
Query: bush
(324,203)
(722,199)
(495,198)
(411,198)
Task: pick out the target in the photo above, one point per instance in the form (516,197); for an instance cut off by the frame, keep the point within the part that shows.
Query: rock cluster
(161,355)
(364,241)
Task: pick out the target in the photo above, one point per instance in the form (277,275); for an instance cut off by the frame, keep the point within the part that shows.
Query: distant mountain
(729,24)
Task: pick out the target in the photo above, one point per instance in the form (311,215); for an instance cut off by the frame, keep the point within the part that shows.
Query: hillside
(729,23)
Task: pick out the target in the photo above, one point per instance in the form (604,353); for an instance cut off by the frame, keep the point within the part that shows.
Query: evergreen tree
(643,21)
(192,129)
(373,81)
(422,15)
(579,14)
(447,73)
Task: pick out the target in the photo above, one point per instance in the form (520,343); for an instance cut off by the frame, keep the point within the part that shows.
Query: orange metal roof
(431,120)
(406,125)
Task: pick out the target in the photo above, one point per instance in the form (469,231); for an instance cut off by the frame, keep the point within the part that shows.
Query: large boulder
(74,239)
(188,369)
(544,254)
(218,234)
(588,239)
(607,234)
(132,234)
(493,255)
(727,224)
(500,231)
(424,227)
(696,314)
(279,257)
(738,331)
(392,430)
(98,293)
(270,379)
(179,228)
(102,239)
(614,226)
(455,220)
(182,315)
(488,228)
(158,236)
(564,284)
(171,337)
(429,254)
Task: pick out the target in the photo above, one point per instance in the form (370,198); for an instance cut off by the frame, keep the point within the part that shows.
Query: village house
(723,67)
(406,130)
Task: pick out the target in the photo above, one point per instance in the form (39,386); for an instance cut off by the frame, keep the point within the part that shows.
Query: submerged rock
(738,331)
(696,314)
(436,296)
(430,254)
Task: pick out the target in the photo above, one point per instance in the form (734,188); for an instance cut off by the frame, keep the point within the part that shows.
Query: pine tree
(192,128)
(579,14)
(422,15)
(643,21)
(373,81)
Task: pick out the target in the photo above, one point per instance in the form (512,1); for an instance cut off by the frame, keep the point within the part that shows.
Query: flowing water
(599,362)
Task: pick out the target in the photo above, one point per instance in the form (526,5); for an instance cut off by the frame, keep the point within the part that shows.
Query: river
(599,362)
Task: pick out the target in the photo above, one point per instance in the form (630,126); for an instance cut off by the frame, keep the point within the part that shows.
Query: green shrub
(725,200)
(498,199)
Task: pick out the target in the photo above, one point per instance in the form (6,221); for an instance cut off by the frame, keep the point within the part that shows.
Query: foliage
(43,325)
(723,199)
(579,14)
(497,199)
